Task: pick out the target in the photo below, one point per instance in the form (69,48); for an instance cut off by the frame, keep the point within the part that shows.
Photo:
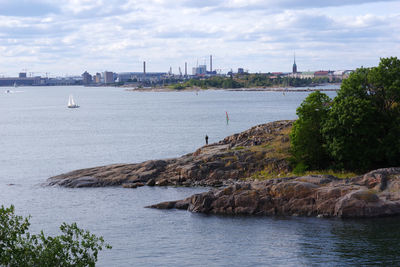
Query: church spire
(294,63)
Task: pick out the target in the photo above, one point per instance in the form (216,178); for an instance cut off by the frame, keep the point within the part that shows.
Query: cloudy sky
(71,36)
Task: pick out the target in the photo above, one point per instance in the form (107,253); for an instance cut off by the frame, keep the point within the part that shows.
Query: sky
(68,37)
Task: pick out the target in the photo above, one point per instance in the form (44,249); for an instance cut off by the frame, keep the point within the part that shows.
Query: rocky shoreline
(235,157)
(374,194)
(232,165)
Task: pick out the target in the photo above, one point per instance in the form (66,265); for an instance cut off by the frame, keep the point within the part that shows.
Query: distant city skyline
(73,36)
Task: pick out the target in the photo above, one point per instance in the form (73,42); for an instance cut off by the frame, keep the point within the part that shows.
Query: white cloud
(117,35)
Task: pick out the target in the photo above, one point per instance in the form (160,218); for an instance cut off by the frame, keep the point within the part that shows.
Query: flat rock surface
(374,194)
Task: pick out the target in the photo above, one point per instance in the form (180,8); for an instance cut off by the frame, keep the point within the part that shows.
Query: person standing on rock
(206,139)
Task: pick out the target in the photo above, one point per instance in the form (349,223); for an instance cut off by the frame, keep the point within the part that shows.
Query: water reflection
(368,241)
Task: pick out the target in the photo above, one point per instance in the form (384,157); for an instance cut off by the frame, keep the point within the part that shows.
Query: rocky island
(236,157)
(234,165)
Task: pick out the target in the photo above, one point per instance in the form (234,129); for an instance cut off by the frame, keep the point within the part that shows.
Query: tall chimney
(144,67)
(210,63)
(185,69)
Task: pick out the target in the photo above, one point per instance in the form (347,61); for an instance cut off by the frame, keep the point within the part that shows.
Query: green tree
(363,127)
(75,247)
(350,133)
(307,143)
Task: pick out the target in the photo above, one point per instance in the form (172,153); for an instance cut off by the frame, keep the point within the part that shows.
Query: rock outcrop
(376,193)
(262,149)
(236,157)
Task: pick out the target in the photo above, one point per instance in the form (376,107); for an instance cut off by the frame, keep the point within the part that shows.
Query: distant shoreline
(254,89)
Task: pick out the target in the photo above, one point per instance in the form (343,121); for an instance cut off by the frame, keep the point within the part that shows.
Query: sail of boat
(71,102)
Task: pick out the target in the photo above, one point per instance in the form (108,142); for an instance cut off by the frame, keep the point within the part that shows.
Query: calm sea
(40,137)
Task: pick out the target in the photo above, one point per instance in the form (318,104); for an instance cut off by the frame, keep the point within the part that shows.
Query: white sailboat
(71,102)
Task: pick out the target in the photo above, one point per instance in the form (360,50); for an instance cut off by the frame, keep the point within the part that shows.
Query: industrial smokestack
(185,69)
(210,63)
(144,67)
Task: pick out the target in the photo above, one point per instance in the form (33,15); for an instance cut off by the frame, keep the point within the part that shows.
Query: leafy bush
(300,168)
(75,247)
(178,86)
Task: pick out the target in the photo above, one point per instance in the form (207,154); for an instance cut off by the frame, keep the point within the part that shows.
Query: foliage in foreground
(360,130)
(75,247)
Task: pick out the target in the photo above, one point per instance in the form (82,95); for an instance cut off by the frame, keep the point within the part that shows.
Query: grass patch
(338,174)
(271,173)
(238,148)
(266,175)
(273,149)
(230,158)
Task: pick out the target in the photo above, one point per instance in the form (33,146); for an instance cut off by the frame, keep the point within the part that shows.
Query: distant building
(86,78)
(295,73)
(324,74)
(97,78)
(307,74)
(240,70)
(140,76)
(11,81)
(321,74)
(294,65)
(200,70)
(108,77)
(125,76)
(70,80)
(211,73)
(22,75)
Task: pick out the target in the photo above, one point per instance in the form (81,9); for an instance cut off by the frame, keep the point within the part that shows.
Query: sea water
(40,137)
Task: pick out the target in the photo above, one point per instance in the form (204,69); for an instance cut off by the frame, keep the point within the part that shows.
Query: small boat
(8,91)
(71,102)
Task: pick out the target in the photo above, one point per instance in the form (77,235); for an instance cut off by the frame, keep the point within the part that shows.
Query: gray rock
(304,196)
(151,182)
